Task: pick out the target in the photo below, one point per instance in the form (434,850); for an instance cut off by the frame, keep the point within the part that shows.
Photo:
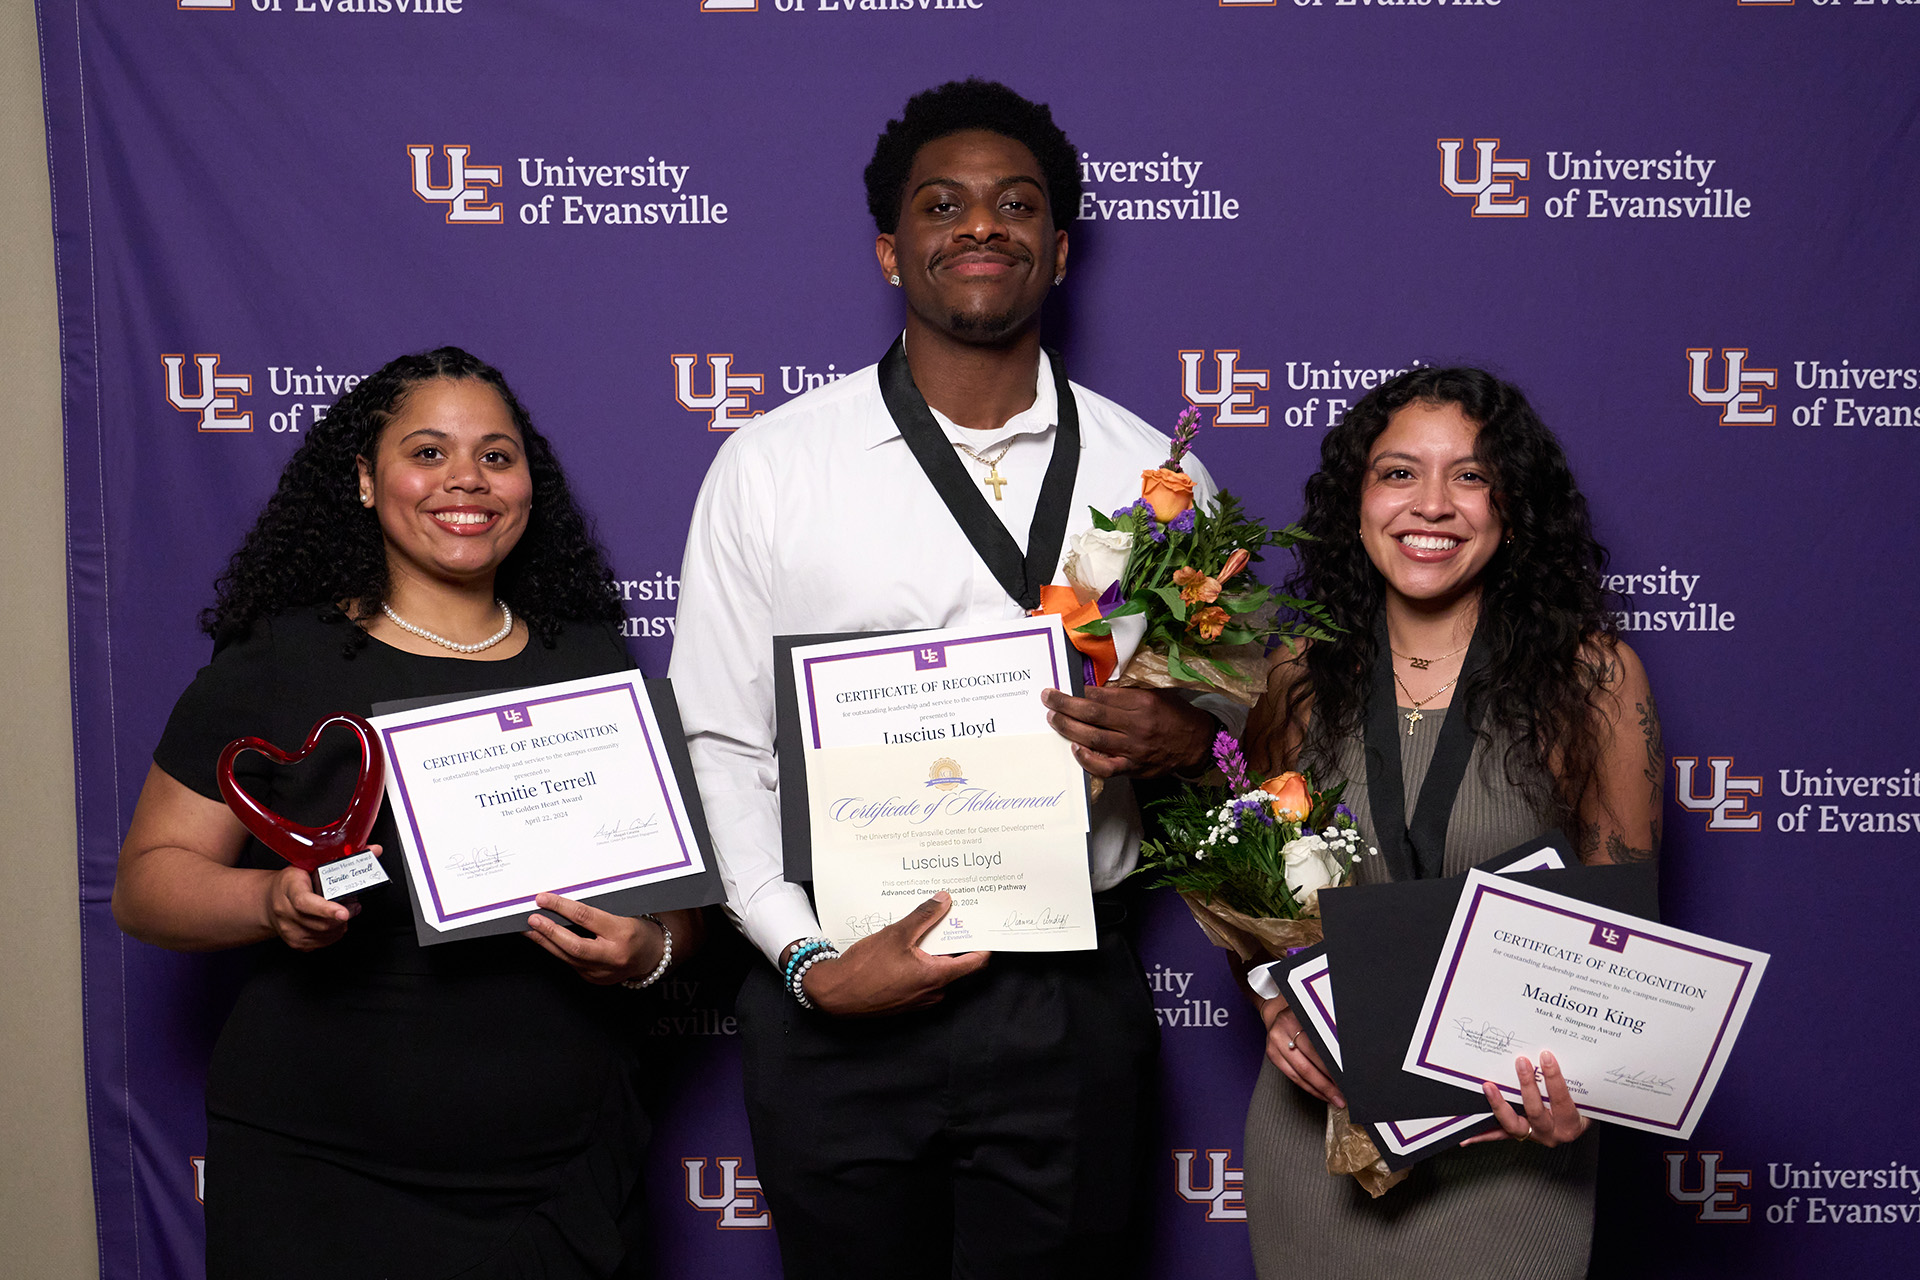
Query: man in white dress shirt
(928,1115)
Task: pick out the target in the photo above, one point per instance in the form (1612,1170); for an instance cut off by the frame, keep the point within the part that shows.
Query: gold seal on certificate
(930,766)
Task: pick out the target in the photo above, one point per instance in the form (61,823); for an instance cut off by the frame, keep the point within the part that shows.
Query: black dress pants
(994,1136)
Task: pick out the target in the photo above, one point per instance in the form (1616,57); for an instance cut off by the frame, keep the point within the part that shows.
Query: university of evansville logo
(725,399)
(1726,797)
(1714,1199)
(737,1199)
(1233,388)
(1738,395)
(214,397)
(944,774)
(466,188)
(1221,1193)
(1491,187)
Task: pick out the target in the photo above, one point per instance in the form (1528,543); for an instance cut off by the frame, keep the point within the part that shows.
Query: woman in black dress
(376,1108)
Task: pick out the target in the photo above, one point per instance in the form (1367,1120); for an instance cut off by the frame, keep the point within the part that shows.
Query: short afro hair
(955,107)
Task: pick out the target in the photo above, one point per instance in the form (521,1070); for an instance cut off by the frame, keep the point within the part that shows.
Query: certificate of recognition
(930,766)
(566,788)
(1641,1016)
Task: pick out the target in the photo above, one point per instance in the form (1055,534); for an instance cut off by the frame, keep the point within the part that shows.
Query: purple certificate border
(1319,1001)
(807,664)
(1679,1125)
(443,916)
(1409,1141)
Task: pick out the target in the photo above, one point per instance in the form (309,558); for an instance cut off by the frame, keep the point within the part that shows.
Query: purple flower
(1226,754)
(1258,808)
(1157,531)
(1182,523)
(1341,811)
(1184,429)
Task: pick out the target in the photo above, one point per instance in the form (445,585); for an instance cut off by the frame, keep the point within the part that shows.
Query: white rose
(1310,866)
(1096,560)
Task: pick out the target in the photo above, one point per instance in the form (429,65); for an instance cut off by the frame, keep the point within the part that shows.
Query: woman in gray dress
(1452,547)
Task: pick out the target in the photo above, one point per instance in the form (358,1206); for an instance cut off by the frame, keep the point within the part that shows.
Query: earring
(366,499)
(1062,276)
(894,281)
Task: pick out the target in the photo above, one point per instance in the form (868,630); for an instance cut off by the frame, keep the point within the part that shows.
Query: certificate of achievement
(1641,1016)
(929,766)
(566,788)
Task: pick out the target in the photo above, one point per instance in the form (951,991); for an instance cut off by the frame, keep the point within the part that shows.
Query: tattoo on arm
(1620,853)
(1656,770)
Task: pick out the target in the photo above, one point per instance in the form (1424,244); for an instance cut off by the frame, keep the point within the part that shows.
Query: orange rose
(1195,586)
(1289,792)
(1208,622)
(1167,492)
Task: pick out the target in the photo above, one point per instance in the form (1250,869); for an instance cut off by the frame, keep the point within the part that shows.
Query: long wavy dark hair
(315,544)
(1541,605)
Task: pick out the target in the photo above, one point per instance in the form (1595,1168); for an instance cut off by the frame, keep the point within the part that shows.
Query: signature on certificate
(482,860)
(869,924)
(1645,1081)
(1045,920)
(1487,1038)
(626,829)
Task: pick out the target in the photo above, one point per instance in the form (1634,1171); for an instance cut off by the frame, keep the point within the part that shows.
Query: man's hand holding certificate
(930,766)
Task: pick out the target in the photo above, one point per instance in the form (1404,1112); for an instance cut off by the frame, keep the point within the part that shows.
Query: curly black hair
(1542,602)
(957,106)
(315,544)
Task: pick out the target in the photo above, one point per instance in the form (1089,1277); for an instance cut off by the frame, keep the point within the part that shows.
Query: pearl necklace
(506,629)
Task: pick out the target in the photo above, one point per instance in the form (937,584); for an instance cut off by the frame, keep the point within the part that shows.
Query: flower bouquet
(1163,592)
(1250,860)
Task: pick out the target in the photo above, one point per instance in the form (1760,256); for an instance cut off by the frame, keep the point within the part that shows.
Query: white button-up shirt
(817,518)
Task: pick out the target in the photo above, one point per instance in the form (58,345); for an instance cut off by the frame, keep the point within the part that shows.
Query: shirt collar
(1042,415)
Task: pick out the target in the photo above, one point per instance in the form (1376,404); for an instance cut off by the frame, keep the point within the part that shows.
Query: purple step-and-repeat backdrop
(1686,228)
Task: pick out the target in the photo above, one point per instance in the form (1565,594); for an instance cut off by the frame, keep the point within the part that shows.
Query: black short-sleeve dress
(379,1109)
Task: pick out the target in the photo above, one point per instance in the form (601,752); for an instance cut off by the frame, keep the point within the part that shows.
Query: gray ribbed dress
(1501,1209)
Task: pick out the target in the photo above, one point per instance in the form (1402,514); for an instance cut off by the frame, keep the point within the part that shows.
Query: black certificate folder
(681,893)
(1383,943)
(796,820)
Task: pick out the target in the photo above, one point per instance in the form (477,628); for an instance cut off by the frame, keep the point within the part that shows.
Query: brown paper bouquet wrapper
(1256,939)
(1239,671)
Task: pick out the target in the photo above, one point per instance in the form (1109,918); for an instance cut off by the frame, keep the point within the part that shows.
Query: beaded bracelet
(799,983)
(801,950)
(666,959)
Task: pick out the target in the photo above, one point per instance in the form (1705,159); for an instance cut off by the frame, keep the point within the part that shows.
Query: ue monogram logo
(1714,1200)
(465,192)
(1493,181)
(214,401)
(1726,801)
(1221,1195)
(1233,388)
(726,391)
(739,1197)
(1738,396)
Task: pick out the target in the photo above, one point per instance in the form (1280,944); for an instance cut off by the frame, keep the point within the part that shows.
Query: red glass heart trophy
(337,853)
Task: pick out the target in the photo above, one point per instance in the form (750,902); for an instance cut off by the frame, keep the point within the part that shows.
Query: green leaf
(1242,603)
(1172,597)
(1098,627)
(1136,605)
(1181,671)
(1234,635)
(1101,521)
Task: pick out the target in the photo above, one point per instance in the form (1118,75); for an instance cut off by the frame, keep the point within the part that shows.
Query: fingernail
(1546,1059)
(1339,1101)
(942,896)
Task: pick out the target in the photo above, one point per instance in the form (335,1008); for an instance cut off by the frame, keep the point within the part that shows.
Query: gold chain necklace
(1414,717)
(994,481)
(1421,664)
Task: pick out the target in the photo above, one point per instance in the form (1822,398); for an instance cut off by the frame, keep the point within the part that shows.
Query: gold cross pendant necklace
(994,481)
(1414,717)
